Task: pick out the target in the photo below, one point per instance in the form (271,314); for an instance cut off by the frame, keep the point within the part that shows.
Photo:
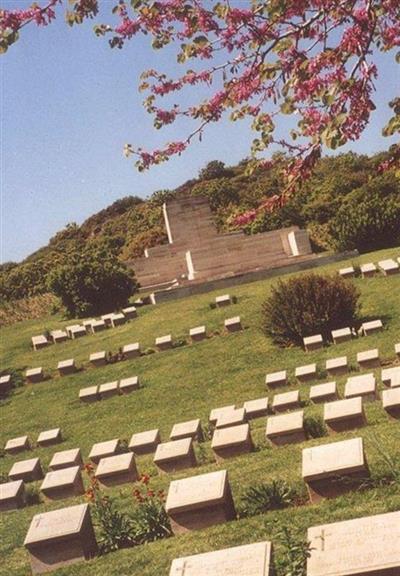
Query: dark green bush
(369,218)
(93,281)
(314,427)
(307,305)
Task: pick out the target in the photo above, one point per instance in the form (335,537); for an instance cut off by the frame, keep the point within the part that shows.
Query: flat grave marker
(59,538)
(26,470)
(66,459)
(63,483)
(115,470)
(12,495)
(49,437)
(145,442)
(248,560)
(231,442)
(326,392)
(286,428)
(346,414)
(365,546)
(175,455)
(325,468)
(200,501)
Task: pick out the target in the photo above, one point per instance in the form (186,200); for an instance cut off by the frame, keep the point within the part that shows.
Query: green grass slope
(187,383)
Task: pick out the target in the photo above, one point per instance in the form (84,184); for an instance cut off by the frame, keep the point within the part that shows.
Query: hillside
(346,204)
(186,383)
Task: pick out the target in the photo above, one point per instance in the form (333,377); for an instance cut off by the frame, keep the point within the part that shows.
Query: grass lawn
(186,383)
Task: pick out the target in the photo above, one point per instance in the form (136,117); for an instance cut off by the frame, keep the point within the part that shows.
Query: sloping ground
(183,384)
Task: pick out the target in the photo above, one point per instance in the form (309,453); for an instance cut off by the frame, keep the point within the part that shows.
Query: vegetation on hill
(346,204)
(186,383)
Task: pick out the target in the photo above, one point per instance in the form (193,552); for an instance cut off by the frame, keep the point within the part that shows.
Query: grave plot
(98,358)
(306,373)
(175,455)
(104,449)
(363,546)
(98,326)
(200,501)
(59,538)
(63,483)
(131,350)
(324,392)
(66,367)
(217,412)
(127,385)
(130,312)
(89,394)
(231,442)
(336,366)
(256,408)
(12,495)
(26,470)
(391,402)
(5,383)
(286,428)
(145,442)
(59,336)
(334,469)
(66,459)
(117,320)
(250,560)
(364,386)
(347,272)
(224,300)
(368,359)
(342,415)
(119,469)
(286,401)
(276,379)
(368,270)
(108,389)
(341,335)
(16,445)
(164,342)
(391,376)
(231,418)
(39,342)
(189,429)
(198,333)
(34,375)
(49,437)
(389,267)
(233,324)
(371,327)
(313,342)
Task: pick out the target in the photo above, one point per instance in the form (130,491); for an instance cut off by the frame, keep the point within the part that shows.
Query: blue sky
(69,103)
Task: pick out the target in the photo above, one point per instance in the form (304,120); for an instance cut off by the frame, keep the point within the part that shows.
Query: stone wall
(197,253)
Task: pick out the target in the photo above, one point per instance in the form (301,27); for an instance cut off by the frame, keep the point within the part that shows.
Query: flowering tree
(259,59)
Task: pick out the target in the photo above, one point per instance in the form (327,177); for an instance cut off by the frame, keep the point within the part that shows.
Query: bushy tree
(369,218)
(307,305)
(214,169)
(93,281)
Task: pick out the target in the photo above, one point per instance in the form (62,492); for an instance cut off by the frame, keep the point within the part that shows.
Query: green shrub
(307,305)
(262,497)
(93,281)
(369,219)
(32,495)
(295,553)
(314,427)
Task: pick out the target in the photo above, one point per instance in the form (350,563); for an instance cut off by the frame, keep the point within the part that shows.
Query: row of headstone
(46,438)
(92,326)
(66,536)
(340,335)
(103,391)
(387,267)
(129,351)
(333,366)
